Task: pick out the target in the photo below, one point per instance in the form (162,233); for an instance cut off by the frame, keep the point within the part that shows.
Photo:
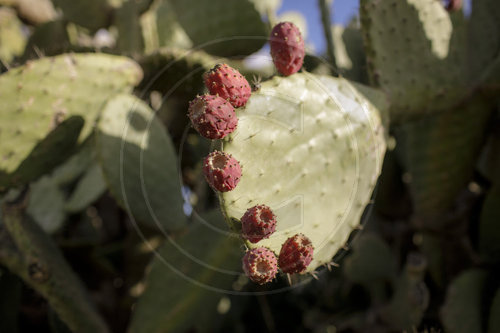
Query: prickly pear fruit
(287,48)
(296,254)
(257,223)
(260,265)
(228,83)
(222,171)
(212,116)
(453,5)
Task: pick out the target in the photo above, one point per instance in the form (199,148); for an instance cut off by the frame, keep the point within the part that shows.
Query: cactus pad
(12,40)
(139,163)
(225,28)
(310,148)
(439,152)
(414,51)
(461,311)
(48,99)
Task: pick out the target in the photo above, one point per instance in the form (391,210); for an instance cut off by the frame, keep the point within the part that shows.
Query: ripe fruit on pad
(287,48)
(296,254)
(222,171)
(260,265)
(228,83)
(257,223)
(212,116)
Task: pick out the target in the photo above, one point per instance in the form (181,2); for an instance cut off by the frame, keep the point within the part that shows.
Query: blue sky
(342,11)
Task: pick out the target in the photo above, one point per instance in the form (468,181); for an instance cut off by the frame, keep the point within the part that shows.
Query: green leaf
(139,163)
(188,276)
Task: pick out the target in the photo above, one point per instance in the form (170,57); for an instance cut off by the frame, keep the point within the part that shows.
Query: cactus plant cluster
(147,186)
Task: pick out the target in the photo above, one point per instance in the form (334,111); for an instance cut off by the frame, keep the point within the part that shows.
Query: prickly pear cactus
(228,28)
(50,96)
(415,53)
(311,148)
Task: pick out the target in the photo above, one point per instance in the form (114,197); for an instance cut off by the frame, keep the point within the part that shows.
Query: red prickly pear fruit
(453,5)
(212,116)
(228,83)
(257,223)
(260,265)
(222,171)
(287,48)
(296,254)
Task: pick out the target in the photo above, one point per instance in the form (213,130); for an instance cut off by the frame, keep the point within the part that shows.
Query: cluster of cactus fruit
(214,117)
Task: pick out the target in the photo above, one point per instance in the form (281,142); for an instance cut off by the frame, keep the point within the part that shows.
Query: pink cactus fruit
(222,171)
(228,83)
(260,265)
(287,48)
(257,223)
(212,116)
(296,254)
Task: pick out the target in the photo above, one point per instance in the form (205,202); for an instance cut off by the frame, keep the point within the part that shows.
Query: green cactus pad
(12,39)
(489,231)
(48,38)
(175,71)
(40,95)
(371,261)
(438,154)
(414,51)
(202,265)
(91,14)
(221,27)
(30,253)
(461,312)
(494,321)
(130,38)
(311,148)
(410,298)
(89,188)
(139,163)
(349,54)
(484,37)
(46,204)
